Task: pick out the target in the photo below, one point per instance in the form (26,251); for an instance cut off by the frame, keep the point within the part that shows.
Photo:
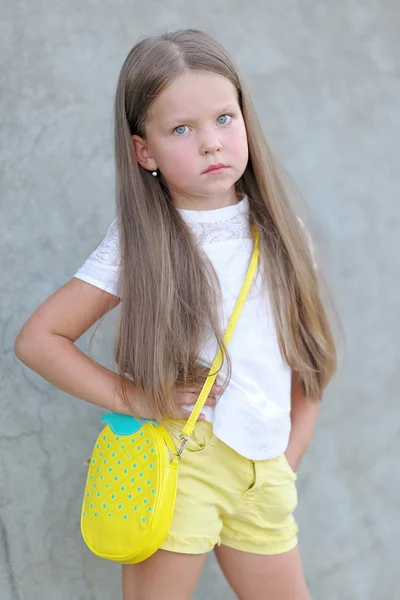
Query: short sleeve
(311,246)
(102,268)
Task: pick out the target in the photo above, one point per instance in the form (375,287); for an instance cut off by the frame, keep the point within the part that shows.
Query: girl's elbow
(20,347)
(24,345)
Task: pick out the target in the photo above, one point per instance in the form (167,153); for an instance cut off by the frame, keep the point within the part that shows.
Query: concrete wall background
(325,78)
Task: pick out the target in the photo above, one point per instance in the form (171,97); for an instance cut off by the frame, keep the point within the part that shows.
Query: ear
(143,155)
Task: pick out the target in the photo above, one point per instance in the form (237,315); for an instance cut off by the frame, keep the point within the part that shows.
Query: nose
(210,142)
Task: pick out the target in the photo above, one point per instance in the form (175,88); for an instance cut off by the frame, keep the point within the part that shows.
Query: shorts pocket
(270,502)
(282,493)
(287,466)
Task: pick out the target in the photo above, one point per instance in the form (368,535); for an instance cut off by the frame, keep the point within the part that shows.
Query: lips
(215,168)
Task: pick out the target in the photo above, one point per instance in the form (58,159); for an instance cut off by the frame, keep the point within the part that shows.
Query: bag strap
(218,360)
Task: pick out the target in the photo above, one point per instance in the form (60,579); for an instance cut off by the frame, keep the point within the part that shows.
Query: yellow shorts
(224,498)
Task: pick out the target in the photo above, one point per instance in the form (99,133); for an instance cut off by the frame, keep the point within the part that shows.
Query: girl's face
(194,124)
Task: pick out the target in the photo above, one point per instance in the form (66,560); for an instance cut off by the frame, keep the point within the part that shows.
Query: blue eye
(224,119)
(180,130)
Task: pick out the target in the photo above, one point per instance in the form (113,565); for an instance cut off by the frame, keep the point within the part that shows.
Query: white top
(253,414)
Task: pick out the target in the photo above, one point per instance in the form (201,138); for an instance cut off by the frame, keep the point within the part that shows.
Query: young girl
(193,174)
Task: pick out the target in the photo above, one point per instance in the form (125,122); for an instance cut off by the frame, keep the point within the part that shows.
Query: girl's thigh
(164,576)
(264,577)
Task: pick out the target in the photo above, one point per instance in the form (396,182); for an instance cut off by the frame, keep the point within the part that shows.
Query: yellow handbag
(132,478)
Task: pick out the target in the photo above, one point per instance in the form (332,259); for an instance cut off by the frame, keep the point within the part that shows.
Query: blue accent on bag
(124,424)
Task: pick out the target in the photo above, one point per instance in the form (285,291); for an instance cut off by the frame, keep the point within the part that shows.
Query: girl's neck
(204,203)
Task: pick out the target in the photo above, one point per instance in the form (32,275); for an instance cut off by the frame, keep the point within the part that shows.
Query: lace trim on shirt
(238,227)
(235,228)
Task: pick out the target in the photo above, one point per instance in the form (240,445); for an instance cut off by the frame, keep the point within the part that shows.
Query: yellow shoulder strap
(218,360)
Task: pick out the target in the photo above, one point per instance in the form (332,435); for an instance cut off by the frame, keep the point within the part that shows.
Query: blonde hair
(170,290)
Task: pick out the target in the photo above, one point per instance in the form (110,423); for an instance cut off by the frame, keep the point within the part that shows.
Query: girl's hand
(183,396)
(188,396)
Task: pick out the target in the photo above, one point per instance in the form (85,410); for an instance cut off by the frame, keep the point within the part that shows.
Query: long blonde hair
(170,291)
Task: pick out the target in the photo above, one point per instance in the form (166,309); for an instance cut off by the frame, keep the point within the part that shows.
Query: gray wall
(325,77)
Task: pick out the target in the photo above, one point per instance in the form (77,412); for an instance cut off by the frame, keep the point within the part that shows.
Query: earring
(154,173)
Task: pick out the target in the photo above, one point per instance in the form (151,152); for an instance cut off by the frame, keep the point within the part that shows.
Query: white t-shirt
(253,414)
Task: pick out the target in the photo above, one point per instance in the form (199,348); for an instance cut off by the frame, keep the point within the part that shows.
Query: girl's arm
(46,344)
(304,415)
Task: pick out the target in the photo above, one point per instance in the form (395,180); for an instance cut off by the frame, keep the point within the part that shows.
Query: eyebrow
(227,108)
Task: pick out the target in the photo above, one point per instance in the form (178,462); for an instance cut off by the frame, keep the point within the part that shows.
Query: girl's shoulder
(108,252)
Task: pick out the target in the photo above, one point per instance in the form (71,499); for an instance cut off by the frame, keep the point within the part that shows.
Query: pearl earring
(154,173)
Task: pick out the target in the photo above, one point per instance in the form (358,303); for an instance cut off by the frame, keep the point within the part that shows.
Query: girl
(193,173)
